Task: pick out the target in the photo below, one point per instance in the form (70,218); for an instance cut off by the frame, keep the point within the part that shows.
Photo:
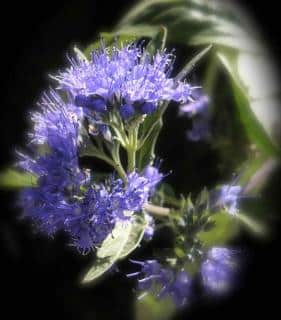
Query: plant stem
(132,147)
(172,201)
(156,210)
(131,159)
(116,164)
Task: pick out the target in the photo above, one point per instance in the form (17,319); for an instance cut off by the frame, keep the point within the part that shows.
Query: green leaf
(225,228)
(109,39)
(260,176)
(151,308)
(199,22)
(143,8)
(109,251)
(150,131)
(192,63)
(135,236)
(253,127)
(13,179)
(252,224)
(146,154)
(158,42)
(138,31)
(122,36)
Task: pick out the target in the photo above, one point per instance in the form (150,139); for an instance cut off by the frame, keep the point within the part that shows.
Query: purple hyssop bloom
(219,270)
(64,197)
(127,78)
(176,284)
(228,198)
(199,110)
(149,230)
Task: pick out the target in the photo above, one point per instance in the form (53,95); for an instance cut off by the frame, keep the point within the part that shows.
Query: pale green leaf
(253,126)
(158,42)
(13,179)
(151,308)
(192,63)
(255,226)
(226,227)
(135,236)
(109,251)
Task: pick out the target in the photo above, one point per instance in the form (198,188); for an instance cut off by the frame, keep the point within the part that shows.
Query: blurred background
(40,277)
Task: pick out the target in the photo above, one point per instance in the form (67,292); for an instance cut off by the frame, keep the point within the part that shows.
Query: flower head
(199,110)
(149,230)
(127,77)
(179,289)
(198,106)
(168,282)
(219,270)
(153,175)
(64,198)
(228,198)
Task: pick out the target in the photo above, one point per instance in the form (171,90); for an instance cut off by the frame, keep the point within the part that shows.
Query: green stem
(156,210)
(132,147)
(172,201)
(131,159)
(116,164)
(143,140)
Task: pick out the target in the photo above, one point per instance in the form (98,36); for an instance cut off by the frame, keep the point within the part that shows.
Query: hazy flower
(228,198)
(168,282)
(198,109)
(149,230)
(219,270)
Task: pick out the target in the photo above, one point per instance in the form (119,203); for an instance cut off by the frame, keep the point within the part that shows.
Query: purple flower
(92,221)
(137,191)
(198,106)
(148,107)
(127,111)
(200,130)
(133,195)
(149,230)
(199,109)
(169,282)
(53,147)
(228,198)
(151,270)
(219,270)
(119,76)
(153,175)
(179,289)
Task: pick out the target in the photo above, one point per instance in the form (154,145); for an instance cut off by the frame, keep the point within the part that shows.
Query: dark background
(40,277)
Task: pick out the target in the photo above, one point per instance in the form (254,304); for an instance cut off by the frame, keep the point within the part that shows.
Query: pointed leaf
(225,228)
(13,179)
(109,251)
(158,42)
(253,126)
(135,236)
(191,64)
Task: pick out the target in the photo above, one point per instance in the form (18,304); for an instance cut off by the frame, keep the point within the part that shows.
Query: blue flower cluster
(226,197)
(65,198)
(218,274)
(176,284)
(127,78)
(219,270)
(199,110)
